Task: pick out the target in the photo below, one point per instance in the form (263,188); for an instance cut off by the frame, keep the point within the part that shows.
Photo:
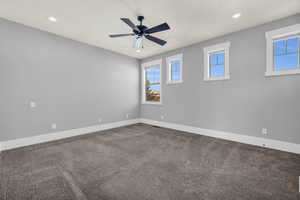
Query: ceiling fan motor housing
(140,18)
(142,29)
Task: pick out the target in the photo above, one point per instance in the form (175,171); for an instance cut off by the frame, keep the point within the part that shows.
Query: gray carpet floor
(142,162)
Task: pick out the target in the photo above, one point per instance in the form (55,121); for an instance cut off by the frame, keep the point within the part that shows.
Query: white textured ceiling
(191,21)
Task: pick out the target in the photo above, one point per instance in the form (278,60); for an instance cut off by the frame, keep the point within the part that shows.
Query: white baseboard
(12,144)
(257,141)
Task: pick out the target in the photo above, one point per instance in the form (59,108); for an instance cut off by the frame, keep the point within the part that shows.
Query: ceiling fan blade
(158,28)
(121,35)
(129,23)
(156,40)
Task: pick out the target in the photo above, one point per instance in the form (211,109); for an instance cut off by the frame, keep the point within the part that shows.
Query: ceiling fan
(142,32)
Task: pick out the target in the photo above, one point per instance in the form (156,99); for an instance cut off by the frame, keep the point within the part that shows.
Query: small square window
(283,47)
(216,62)
(286,54)
(174,69)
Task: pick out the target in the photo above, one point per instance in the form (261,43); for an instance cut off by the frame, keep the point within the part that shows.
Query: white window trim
(275,35)
(144,66)
(215,48)
(169,59)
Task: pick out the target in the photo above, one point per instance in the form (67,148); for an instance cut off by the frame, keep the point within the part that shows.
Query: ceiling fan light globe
(138,43)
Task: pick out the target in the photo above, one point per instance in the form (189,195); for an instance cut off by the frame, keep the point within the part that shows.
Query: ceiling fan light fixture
(138,42)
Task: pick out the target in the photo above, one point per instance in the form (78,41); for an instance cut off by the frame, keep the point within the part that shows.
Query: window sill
(281,73)
(217,78)
(151,103)
(174,82)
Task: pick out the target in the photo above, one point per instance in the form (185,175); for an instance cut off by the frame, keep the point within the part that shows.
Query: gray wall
(73,84)
(244,104)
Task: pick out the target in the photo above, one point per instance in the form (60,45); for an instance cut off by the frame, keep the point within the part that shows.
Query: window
(286,54)
(283,51)
(174,69)
(151,76)
(216,62)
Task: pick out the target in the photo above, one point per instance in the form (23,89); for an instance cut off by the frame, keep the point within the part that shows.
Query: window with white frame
(174,69)
(216,62)
(151,77)
(283,47)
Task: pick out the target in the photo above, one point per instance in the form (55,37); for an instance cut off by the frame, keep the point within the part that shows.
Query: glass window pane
(293,45)
(279,47)
(213,59)
(217,70)
(217,64)
(221,58)
(152,85)
(286,54)
(153,93)
(175,70)
(153,74)
(285,62)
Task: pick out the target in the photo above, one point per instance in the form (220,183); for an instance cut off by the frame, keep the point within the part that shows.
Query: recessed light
(52,19)
(138,51)
(236,15)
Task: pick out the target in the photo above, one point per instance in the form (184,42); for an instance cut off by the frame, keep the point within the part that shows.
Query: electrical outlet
(100,120)
(264,131)
(32,104)
(53,126)
(127,116)
(162,117)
